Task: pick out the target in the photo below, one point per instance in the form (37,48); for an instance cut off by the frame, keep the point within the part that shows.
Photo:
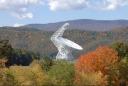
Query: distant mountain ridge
(83,24)
(87,33)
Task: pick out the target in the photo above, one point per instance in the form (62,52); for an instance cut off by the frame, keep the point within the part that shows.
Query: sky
(21,12)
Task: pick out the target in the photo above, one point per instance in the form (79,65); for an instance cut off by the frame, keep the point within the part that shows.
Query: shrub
(90,79)
(62,73)
(26,76)
(5,49)
(46,63)
(121,48)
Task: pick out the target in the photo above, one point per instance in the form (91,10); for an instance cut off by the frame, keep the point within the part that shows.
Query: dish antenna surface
(64,45)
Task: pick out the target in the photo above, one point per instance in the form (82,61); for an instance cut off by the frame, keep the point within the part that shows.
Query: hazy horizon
(18,25)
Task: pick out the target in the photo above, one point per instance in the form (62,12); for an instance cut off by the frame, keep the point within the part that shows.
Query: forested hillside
(38,41)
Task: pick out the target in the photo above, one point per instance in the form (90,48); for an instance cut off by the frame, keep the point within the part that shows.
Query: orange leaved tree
(98,61)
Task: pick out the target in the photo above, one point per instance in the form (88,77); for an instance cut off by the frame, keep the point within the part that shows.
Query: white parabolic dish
(64,45)
(70,43)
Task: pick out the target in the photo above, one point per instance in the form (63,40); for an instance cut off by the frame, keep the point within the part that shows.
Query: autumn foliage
(105,66)
(96,61)
(32,75)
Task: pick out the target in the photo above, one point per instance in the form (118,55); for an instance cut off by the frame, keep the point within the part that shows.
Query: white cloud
(22,13)
(78,4)
(66,4)
(19,8)
(27,15)
(17,25)
(114,4)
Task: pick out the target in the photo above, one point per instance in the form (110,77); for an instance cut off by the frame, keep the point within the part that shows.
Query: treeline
(39,41)
(13,56)
(105,66)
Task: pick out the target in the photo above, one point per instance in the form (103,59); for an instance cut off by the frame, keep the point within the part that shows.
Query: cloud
(66,4)
(17,25)
(114,4)
(79,4)
(19,8)
(22,13)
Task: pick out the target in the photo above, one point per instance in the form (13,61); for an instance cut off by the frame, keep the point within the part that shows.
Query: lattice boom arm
(60,31)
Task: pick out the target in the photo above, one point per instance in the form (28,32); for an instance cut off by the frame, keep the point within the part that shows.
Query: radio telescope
(64,45)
